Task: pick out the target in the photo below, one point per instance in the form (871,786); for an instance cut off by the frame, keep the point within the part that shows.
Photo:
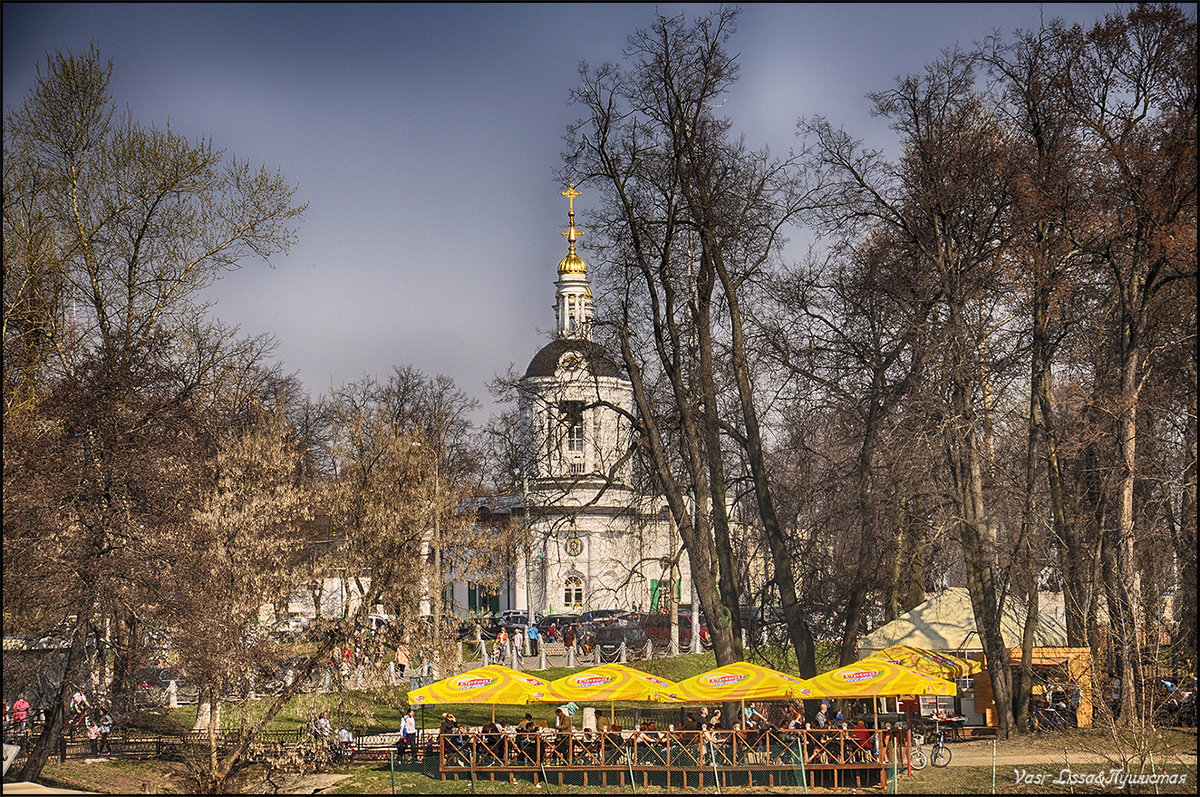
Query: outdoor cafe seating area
(829,757)
(730,754)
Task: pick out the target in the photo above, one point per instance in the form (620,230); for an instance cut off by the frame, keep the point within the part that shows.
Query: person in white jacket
(408,735)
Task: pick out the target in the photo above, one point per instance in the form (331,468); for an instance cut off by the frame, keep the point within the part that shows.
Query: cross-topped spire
(571,233)
(570,194)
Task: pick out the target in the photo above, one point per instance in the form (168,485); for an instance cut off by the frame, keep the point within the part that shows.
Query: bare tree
(129,222)
(690,219)
(1133,89)
(947,206)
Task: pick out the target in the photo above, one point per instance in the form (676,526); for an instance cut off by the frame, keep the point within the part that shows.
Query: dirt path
(979,754)
(310,784)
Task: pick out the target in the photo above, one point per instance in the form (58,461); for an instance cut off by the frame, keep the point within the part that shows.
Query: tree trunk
(727,565)
(785,579)
(1185,539)
(1024,568)
(852,623)
(52,731)
(1127,586)
(978,547)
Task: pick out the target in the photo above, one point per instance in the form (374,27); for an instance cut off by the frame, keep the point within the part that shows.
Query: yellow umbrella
(491,684)
(930,662)
(738,681)
(875,678)
(609,682)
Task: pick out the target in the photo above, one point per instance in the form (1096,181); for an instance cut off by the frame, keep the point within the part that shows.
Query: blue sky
(425,137)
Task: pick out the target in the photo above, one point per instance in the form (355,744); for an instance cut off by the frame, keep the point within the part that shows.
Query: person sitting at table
(689,727)
(863,739)
(753,719)
(754,739)
(612,743)
(493,742)
(734,746)
(526,739)
(710,736)
(816,744)
(641,743)
(457,747)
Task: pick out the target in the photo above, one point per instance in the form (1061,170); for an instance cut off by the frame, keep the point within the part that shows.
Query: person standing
(502,646)
(408,733)
(20,715)
(822,718)
(106,725)
(533,639)
(446,736)
(401,658)
(77,711)
(518,646)
(564,729)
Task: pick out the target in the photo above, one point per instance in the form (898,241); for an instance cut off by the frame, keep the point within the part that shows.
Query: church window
(572,414)
(573,591)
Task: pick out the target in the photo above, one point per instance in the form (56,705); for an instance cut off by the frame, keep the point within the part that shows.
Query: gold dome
(572,264)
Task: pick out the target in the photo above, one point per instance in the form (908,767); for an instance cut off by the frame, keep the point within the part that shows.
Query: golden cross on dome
(570,194)
(571,233)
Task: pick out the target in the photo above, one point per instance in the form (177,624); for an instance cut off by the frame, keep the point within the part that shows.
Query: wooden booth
(1069,665)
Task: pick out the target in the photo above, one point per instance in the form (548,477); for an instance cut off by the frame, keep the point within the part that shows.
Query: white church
(594,544)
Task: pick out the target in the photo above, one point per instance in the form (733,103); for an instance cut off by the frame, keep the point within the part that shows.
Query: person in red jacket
(20,714)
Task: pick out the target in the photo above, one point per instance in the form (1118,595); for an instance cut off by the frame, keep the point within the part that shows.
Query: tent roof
(947,622)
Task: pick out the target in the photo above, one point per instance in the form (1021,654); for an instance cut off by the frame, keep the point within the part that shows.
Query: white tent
(946,622)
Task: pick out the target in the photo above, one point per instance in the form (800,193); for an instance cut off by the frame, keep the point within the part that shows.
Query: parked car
(764,625)
(291,628)
(488,627)
(561,621)
(658,627)
(601,616)
(514,619)
(614,632)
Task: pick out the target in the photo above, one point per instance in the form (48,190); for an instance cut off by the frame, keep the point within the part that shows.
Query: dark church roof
(545,362)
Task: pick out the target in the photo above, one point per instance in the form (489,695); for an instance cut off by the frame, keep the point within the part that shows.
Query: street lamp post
(527,545)
(436,597)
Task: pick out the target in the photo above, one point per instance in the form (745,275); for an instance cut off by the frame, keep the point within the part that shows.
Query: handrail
(820,748)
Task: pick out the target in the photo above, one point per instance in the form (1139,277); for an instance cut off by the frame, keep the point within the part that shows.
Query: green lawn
(380,709)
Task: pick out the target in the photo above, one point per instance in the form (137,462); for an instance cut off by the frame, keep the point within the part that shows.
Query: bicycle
(939,754)
(76,723)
